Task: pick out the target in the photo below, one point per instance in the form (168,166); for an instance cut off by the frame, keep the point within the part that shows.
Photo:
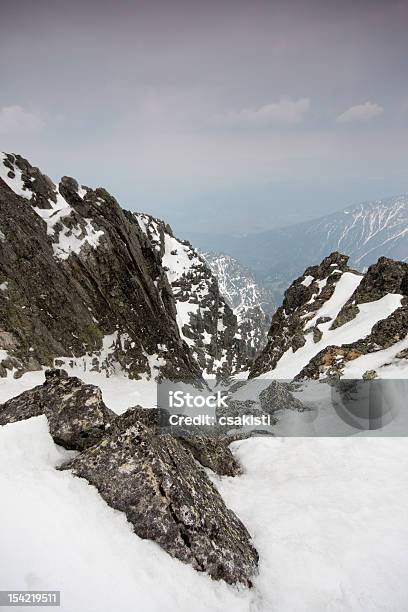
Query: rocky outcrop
(169,499)
(277,396)
(251,302)
(302,300)
(318,334)
(211,451)
(206,321)
(384,277)
(76,414)
(152,477)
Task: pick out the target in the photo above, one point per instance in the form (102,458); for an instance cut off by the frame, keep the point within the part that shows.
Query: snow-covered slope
(336,322)
(251,302)
(328,517)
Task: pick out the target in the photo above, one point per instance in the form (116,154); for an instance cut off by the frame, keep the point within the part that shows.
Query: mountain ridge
(81,280)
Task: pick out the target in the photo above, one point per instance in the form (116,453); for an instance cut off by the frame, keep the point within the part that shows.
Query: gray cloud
(136,86)
(361,112)
(15,119)
(285,111)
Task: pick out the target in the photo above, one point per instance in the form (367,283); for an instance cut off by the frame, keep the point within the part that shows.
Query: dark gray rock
(300,304)
(212,451)
(57,307)
(76,414)
(168,498)
(277,396)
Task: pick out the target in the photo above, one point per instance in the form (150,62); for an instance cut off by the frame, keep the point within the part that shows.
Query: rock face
(82,281)
(251,302)
(153,478)
(168,498)
(277,396)
(207,322)
(302,300)
(333,318)
(76,414)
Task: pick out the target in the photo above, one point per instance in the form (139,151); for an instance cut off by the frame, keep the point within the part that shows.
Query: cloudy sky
(223,115)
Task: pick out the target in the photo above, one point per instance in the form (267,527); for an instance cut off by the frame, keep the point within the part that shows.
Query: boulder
(168,498)
(278,397)
(76,413)
(211,451)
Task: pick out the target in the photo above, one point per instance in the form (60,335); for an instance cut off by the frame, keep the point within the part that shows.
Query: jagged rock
(299,316)
(322,320)
(239,408)
(251,302)
(88,285)
(168,498)
(385,276)
(277,396)
(303,298)
(211,451)
(317,334)
(370,375)
(76,414)
(205,319)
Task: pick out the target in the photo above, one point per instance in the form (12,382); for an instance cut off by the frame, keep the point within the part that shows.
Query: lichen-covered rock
(76,414)
(370,375)
(169,499)
(81,281)
(277,396)
(317,334)
(212,451)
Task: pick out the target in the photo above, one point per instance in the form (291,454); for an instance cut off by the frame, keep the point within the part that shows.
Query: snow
(384,362)
(56,532)
(291,363)
(72,241)
(68,241)
(345,287)
(4,286)
(16,184)
(56,213)
(81,192)
(178,263)
(328,517)
(308,280)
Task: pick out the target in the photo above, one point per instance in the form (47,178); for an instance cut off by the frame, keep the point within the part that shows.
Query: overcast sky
(225,115)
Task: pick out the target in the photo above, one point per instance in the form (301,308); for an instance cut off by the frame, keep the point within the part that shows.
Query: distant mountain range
(363,232)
